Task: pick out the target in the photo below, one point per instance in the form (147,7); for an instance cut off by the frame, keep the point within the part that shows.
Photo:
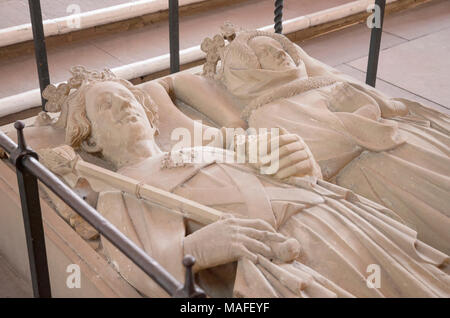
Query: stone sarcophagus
(360,179)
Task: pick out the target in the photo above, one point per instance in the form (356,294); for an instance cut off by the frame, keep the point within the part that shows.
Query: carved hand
(287,156)
(231,239)
(295,158)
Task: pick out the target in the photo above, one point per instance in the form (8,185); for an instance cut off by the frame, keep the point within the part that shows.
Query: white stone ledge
(63,25)
(30,99)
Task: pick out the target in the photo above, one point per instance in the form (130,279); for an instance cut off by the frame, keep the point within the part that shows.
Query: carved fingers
(292,158)
(262,148)
(249,248)
(282,142)
(251,223)
(231,239)
(280,155)
(256,237)
(298,169)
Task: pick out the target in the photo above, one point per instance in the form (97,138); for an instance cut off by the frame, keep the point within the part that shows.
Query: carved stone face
(271,54)
(118,121)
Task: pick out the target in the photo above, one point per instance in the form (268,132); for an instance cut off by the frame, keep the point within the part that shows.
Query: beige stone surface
(154,40)
(144,43)
(115,108)
(390,89)
(20,74)
(423,20)
(22,71)
(421,66)
(382,148)
(346,45)
(400,246)
(64,247)
(11,284)
(16,12)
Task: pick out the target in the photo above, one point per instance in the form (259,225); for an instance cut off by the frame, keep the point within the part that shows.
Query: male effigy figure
(392,151)
(340,234)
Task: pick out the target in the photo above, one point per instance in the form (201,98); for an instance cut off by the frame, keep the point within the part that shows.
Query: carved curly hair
(73,115)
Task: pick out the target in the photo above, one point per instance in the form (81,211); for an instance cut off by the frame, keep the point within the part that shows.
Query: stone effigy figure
(340,234)
(393,152)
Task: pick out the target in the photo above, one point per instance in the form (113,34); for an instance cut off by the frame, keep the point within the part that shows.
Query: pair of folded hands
(233,238)
(283,154)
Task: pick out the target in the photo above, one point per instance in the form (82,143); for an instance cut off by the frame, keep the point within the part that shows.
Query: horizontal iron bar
(6,143)
(123,243)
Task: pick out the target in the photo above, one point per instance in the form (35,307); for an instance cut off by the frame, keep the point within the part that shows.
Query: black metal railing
(278,16)
(40,50)
(375,38)
(174,36)
(375,43)
(29,170)
(41,53)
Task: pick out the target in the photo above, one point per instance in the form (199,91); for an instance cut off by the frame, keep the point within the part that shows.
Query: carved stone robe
(401,162)
(341,235)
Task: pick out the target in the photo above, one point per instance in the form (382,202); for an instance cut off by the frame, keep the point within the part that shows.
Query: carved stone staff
(66,163)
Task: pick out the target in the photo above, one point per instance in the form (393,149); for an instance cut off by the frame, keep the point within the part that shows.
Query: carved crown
(215,48)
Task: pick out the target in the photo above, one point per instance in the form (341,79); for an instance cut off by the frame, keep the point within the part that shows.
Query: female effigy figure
(393,152)
(340,233)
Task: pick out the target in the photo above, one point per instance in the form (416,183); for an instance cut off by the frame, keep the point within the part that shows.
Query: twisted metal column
(278,16)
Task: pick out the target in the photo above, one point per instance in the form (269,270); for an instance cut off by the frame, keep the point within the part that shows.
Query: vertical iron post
(29,170)
(32,217)
(40,50)
(278,19)
(189,290)
(375,43)
(174,36)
